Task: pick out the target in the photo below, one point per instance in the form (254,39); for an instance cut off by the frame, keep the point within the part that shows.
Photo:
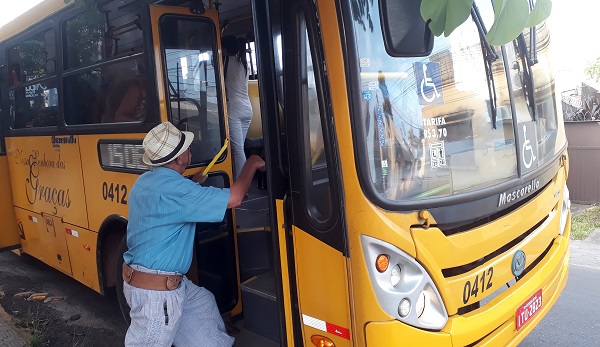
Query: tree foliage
(593,70)
(511,17)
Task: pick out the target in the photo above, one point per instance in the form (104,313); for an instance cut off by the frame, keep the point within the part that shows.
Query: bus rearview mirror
(405,33)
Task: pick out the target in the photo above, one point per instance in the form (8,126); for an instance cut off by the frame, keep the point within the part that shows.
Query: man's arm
(242,184)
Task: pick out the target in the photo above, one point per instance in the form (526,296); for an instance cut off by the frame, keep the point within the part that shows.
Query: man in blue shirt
(164,207)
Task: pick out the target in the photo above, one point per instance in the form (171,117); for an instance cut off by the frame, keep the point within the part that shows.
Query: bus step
(260,306)
(254,251)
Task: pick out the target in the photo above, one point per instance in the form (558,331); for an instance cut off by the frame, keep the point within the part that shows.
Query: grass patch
(583,224)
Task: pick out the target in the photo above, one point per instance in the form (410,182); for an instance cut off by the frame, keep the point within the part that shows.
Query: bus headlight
(395,275)
(404,290)
(564,210)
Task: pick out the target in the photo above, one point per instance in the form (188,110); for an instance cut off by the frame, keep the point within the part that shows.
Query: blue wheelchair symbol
(428,77)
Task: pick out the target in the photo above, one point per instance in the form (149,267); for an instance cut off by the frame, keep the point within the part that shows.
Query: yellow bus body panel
(496,319)
(99,181)
(9,235)
(45,239)
(437,251)
(385,334)
(321,277)
(48,176)
(34,15)
(285,273)
(82,244)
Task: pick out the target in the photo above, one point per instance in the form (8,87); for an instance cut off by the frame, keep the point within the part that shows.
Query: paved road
(574,320)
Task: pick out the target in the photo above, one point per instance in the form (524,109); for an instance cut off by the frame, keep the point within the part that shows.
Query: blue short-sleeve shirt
(164,207)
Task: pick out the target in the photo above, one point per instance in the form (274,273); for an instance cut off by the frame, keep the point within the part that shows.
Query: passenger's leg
(201,324)
(155,316)
(236,138)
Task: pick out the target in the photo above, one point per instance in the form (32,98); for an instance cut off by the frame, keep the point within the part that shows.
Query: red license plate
(528,309)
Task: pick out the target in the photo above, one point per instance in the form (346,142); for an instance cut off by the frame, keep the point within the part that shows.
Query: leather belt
(150,281)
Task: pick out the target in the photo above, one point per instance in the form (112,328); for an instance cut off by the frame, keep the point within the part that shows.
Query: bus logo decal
(428,77)
(519,193)
(518,263)
(58,140)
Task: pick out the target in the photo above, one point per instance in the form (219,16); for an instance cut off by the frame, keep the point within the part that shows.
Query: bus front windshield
(427,126)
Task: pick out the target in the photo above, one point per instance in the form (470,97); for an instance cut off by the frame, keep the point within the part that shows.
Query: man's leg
(155,316)
(200,323)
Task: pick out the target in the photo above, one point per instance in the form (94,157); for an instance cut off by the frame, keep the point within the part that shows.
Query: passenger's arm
(242,184)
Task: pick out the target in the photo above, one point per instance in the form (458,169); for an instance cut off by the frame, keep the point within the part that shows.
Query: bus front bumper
(493,324)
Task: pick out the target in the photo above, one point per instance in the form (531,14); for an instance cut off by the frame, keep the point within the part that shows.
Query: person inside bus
(132,107)
(239,108)
(164,206)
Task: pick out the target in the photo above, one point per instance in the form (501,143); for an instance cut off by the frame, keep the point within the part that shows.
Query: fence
(584,161)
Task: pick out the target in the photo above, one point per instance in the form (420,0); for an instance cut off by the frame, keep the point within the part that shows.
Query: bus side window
(104,93)
(108,94)
(33,96)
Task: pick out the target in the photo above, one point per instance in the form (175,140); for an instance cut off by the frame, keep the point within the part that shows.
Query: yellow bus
(416,186)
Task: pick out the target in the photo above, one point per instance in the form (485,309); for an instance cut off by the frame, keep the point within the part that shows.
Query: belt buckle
(127,275)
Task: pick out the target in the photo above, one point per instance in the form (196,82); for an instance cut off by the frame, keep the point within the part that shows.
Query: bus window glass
(319,192)
(109,94)
(549,138)
(84,38)
(32,58)
(35,105)
(519,85)
(427,121)
(544,96)
(189,56)
(251,59)
(110,30)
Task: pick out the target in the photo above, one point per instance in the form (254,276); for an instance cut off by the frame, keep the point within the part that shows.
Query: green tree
(593,70)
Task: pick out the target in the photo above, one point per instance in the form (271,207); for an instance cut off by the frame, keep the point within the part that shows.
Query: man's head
(166,145)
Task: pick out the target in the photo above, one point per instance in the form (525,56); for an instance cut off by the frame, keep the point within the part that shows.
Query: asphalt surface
(584,254)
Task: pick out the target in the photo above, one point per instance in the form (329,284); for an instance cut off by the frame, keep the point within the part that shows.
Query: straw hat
(164,143)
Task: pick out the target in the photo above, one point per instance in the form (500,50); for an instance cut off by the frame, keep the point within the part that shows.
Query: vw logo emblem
(518,263)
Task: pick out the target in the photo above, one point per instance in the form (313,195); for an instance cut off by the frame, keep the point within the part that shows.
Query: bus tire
(120,296)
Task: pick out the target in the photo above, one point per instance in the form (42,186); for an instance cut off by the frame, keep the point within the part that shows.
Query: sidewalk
(8,336)
(585,252)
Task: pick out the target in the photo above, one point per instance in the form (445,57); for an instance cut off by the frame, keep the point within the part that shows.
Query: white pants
(186,316)
(239,116)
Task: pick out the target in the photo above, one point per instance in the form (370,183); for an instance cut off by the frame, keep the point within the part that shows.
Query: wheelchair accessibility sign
(428,77)
(528,146)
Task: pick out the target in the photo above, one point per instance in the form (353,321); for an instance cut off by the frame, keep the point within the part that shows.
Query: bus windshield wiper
(532,41)
(526,75)
(489,57)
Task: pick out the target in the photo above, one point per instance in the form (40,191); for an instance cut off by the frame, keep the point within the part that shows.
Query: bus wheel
(120,296)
